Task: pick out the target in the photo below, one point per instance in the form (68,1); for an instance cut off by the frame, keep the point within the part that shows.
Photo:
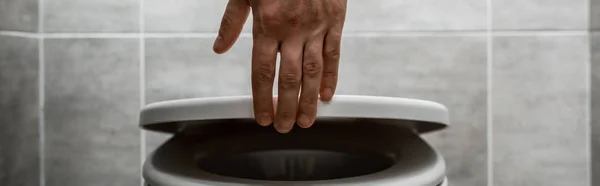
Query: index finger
(264,58)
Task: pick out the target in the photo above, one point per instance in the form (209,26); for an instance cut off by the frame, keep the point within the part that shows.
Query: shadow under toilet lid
(423,115)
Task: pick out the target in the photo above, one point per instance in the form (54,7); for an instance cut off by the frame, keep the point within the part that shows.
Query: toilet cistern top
(423,116)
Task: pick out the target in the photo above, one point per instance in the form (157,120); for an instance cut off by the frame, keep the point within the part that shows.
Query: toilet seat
(194,120)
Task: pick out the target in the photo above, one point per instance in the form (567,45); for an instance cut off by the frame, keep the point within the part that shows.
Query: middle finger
(290,76)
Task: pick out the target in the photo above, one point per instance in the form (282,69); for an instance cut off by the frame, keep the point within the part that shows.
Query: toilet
(355,140)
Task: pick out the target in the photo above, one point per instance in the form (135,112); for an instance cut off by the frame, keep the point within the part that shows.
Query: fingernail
(265,119)
(282,128)
(304,121)
(327,94)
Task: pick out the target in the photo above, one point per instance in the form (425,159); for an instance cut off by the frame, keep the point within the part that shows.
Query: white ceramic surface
(341,106)
(174,164)
(392,110)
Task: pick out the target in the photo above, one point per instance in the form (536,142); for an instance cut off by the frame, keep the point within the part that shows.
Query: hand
(308,35)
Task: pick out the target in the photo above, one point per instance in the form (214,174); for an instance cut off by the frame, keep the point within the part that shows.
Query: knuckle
(336,35)
(290,80)
(269,14)
(335,13)
(294,21)
(311,68)
(336,9)
(332,53)
(270,17)
(264,73)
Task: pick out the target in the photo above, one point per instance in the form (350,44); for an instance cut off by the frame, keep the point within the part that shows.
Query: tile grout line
(19,34)
(589,109)
(362,34)
(42,92)
(142,81)
(41,112)
(589,92)
(537,33)
(248,35)
(489,118)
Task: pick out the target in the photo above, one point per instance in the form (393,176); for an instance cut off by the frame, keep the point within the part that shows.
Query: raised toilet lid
(170,116)
(174,163)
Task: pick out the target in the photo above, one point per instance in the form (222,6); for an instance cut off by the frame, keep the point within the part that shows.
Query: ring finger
(312,70)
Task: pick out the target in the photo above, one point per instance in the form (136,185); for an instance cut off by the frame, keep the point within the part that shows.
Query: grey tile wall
(449,70)
(188,68)
(186,16)
(19,15)
(595,14)
(91,15)
(19,132)
(375,15)
(92,106)
(92,85)
(540,101)
(540,15)
(415,15)
(595,107)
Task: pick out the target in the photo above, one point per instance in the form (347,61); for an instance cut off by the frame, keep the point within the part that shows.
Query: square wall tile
(415,15)
(186,16)
(595,14)
(448,70)
(188,68)
(19,134)
(595,107)
(91,15)
(92,106)
(540,101)
(19,15)
(540,15)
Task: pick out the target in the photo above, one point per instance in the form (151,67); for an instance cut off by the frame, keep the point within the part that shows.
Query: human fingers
(332,47)
(235,16)
(290,76)
(312,70)
(264,59)
(331,57)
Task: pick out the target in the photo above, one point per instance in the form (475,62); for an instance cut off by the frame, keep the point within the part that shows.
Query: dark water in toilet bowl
(295,165)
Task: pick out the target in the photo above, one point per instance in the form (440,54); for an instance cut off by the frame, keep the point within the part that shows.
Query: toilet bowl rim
(153,176)
(430,171)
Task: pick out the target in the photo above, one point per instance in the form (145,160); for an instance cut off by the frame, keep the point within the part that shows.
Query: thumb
(232,23)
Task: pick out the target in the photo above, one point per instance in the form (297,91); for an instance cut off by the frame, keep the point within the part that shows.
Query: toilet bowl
(356,140)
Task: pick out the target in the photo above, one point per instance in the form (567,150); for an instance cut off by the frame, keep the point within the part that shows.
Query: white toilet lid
(425,115)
